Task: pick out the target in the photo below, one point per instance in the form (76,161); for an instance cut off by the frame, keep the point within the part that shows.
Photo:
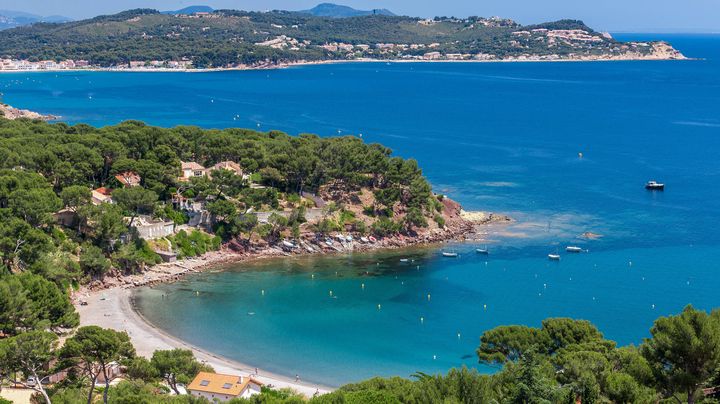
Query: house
(128,179)
(101,195)
(214,386)
(228,165)
(191,169)
(66,217)
(149,228)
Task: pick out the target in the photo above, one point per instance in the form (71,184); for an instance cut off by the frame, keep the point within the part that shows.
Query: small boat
(554,257)
(364,239)
(654,186)
(482,251)
(349,239)
(450,254)
(404,260)
(372,239)
(573,249)
(288,244)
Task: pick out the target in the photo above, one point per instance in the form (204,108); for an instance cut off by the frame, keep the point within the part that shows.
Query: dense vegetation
(46,168)
(564,361)
(229,37)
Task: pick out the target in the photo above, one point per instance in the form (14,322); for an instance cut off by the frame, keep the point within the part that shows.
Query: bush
(440,220)
(385,227)
(194,244)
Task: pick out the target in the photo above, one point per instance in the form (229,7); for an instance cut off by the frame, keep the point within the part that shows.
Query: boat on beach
(654,186)
(573,249)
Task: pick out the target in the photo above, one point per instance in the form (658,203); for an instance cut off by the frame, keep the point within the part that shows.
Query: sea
(563,148)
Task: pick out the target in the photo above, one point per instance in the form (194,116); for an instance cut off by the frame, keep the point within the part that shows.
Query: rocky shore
(15,113)
(460,226)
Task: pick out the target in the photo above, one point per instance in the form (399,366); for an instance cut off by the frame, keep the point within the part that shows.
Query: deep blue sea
(503,137)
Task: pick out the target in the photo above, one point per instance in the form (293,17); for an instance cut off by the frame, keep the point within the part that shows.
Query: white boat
(450,254)
(573,249)
(554,257)
(655,186)
(482,251)
(288,244)
(404,260)
(364,239)
(349,239)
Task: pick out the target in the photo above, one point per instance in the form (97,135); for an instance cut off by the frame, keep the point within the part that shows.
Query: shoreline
(109,304)
(285,65)
(146,338)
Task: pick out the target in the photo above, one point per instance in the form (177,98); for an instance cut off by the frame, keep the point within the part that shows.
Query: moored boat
(450,254)
(573,249)
(482,251)
(554,257)
(655,186)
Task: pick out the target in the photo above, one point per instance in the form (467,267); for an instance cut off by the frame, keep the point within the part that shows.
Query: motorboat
(554,257)
(654,186)
(573,249)
(450,254)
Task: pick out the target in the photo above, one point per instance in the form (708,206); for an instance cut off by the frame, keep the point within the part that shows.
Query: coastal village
(522,45)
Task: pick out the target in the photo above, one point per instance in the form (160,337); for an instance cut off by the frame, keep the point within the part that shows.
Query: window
(227,385)
(205,382)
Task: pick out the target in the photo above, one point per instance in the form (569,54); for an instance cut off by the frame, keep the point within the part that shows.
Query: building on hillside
(191,169)
(128,179)
(66,217)
(101,195)
(219,387)
(228,165)
(149,228)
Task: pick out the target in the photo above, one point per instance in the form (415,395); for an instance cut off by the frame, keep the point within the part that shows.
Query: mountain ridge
(333,10)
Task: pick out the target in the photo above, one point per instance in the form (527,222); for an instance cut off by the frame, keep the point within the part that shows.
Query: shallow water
(502,137)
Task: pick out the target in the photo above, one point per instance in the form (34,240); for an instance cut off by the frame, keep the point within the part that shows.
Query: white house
(214,386)
(191,169)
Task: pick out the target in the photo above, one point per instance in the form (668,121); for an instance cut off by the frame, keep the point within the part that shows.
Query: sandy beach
(112,308)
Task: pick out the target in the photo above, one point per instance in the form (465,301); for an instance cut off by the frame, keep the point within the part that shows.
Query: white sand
(116,312)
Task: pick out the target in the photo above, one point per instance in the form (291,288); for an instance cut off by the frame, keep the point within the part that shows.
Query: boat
(404,260)
(364,239)
(573,249)
(450,254)
(349,239)
(654,186)
(554,257)
(288,244)
(372,239)
(482,251)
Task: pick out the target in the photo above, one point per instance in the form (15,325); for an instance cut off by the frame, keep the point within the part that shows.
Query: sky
(605,15)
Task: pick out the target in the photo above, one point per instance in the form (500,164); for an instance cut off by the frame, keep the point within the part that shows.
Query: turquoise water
(502,137)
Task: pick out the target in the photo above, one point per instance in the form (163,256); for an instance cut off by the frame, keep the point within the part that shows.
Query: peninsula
(146,39)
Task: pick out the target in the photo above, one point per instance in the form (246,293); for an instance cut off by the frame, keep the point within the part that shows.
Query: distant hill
(12,19)
(338,11)
(232,38)
(190,10)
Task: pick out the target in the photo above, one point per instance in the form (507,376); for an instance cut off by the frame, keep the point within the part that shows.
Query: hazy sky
(610,15)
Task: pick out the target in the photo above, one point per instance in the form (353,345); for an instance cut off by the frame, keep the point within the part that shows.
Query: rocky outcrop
(14,113)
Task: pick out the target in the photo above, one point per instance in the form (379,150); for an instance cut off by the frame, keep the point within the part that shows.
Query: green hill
(228,38)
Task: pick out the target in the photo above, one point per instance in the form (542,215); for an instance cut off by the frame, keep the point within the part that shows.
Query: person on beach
(297,378)
(256,372)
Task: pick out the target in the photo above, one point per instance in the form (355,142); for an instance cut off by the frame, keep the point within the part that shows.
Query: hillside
(228,38)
